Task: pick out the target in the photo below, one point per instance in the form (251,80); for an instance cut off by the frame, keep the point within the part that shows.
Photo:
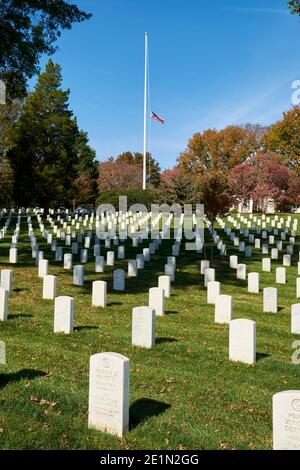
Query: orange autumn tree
(219,150)
(117,174)
(284,138)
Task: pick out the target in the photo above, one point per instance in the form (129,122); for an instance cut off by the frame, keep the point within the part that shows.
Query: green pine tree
(45,144)
(85,185)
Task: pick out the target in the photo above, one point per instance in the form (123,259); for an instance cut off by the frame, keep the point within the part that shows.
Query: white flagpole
(145,112)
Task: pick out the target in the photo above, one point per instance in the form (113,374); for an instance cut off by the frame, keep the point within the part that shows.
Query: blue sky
(212,63)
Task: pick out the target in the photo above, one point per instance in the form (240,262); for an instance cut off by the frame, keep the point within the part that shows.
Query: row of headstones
(109,374)
(5,288)
(119,275)
(64,305)
(71,234)
(262,222)
(58,250)
(84,252)
(257,242)
(13,251)
(143,318)
(270,294)
(109,379)
(135,221)
(4,229)
(49,284)
(246,233)
(241,269)
(223,303)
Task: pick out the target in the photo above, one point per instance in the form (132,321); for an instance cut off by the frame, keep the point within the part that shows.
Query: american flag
(155,117)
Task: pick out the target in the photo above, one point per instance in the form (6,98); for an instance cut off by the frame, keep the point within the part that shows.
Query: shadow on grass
(261,356)
(86,327)
(145,408)
(165,340)
(12,316)
(171,312)
(24,374)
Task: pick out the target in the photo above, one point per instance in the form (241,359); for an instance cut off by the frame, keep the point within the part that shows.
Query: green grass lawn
(185,393)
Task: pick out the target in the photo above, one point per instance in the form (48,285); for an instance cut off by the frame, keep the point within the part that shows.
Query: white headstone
(97,250)
(204,264)
(286,420)
(99,264)
(298,287)
(248,252)
(286,260)
(110,258)
(295,319)
(6,279)
(157,300)
(74,248)
(280,275)
(270,300)
(13,255)
(84,255)
(170,271)
(253,283)
(121,252)
(140,261)
(143,327)
(58,253)
(213,290)
(64,315)
(242,341)
(146,254)
(109,393)
(78,275)
(223,309)
(68,261)
(164,282)
(209,275)
(49,287)
(266,265)
(3,304)
(43,268)
(241,271)
(132,268)
(99,294)
(119,280)
(233,261)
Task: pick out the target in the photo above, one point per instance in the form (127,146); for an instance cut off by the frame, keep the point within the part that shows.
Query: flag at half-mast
(155,117)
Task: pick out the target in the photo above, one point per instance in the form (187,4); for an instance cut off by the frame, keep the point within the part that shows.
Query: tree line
(45,159)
